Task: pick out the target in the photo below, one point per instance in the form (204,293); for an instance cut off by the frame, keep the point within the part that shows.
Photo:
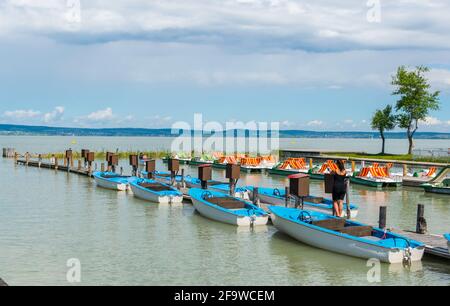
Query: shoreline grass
(387,156)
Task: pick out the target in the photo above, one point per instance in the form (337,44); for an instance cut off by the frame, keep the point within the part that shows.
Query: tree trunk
(411,143)
(383,139)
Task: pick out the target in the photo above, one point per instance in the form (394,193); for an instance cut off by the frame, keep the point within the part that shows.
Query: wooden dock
(37,164)
(435,245)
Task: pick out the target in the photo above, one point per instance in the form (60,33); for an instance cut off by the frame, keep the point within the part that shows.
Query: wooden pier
(52,166)
(435,245)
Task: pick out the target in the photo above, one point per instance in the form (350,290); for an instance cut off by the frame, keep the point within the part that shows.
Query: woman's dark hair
(340,164)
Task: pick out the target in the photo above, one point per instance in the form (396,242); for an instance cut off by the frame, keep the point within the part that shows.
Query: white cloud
(101,115)
(315,123)
(22,114)
(431,121)
(55,115)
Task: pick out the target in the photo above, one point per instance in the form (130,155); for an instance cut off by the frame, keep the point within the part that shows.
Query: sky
(314,65)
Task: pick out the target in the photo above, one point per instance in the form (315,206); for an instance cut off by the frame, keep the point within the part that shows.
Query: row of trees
(416,101)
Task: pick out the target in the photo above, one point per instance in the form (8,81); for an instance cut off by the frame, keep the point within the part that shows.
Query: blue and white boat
(113,181)
(277,197)
(447,236)
(345,237)
(226,209)
(155,191)
(191,182)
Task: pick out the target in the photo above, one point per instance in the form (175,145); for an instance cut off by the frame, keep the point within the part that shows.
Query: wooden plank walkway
(36,164)
(435,245)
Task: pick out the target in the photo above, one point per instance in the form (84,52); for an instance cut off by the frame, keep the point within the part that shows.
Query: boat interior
(155,187)
(227,202)
(113,176)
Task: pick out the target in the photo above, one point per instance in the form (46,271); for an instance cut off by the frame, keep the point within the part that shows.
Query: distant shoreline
(23,130)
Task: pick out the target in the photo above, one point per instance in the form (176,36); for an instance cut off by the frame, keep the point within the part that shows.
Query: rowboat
(277,197)
(113,181)
(223,208)
(344,236)
(447,236)
(191,182)
(155,191)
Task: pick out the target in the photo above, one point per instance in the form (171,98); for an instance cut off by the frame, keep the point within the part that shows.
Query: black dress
(339,187)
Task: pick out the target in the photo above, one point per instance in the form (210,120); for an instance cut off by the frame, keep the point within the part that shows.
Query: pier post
(27,158)
(16,157)
(255,196)
(39,160)
(405,170)
(182,179)
(382,218)
(347,198)
(288,192)
(421,226)
(56,162)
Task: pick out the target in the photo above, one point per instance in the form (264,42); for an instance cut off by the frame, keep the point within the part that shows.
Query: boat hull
(111,185)
(438,190)
(226,217)
(342,245)
(154,197)
(280,202)
(373,183)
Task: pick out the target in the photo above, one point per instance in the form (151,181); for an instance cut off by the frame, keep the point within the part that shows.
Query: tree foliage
(416,99)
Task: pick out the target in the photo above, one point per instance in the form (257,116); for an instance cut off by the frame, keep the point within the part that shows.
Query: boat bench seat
(112,176)
(357,231)
(155,187)
(215,183)
(228,203)
(331,224)
(315,200)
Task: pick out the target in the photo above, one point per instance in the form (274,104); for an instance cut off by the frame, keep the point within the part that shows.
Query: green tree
(416,99)
(384,120)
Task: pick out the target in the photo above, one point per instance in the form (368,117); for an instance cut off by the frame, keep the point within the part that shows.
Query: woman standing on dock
(339,188)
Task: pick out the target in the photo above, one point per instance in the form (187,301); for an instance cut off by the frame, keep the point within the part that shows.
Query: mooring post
(56,162)
(39,160)
(382,218)
(405,170)
(421,226)
(182,178)
(16,157)
(255,196)
(27,158)
(288,192)
(347,198)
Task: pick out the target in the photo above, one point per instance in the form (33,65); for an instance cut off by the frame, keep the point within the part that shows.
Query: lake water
(47,218)
(59,144)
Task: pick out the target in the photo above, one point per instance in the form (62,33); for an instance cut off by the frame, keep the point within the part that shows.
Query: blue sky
(316,65)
